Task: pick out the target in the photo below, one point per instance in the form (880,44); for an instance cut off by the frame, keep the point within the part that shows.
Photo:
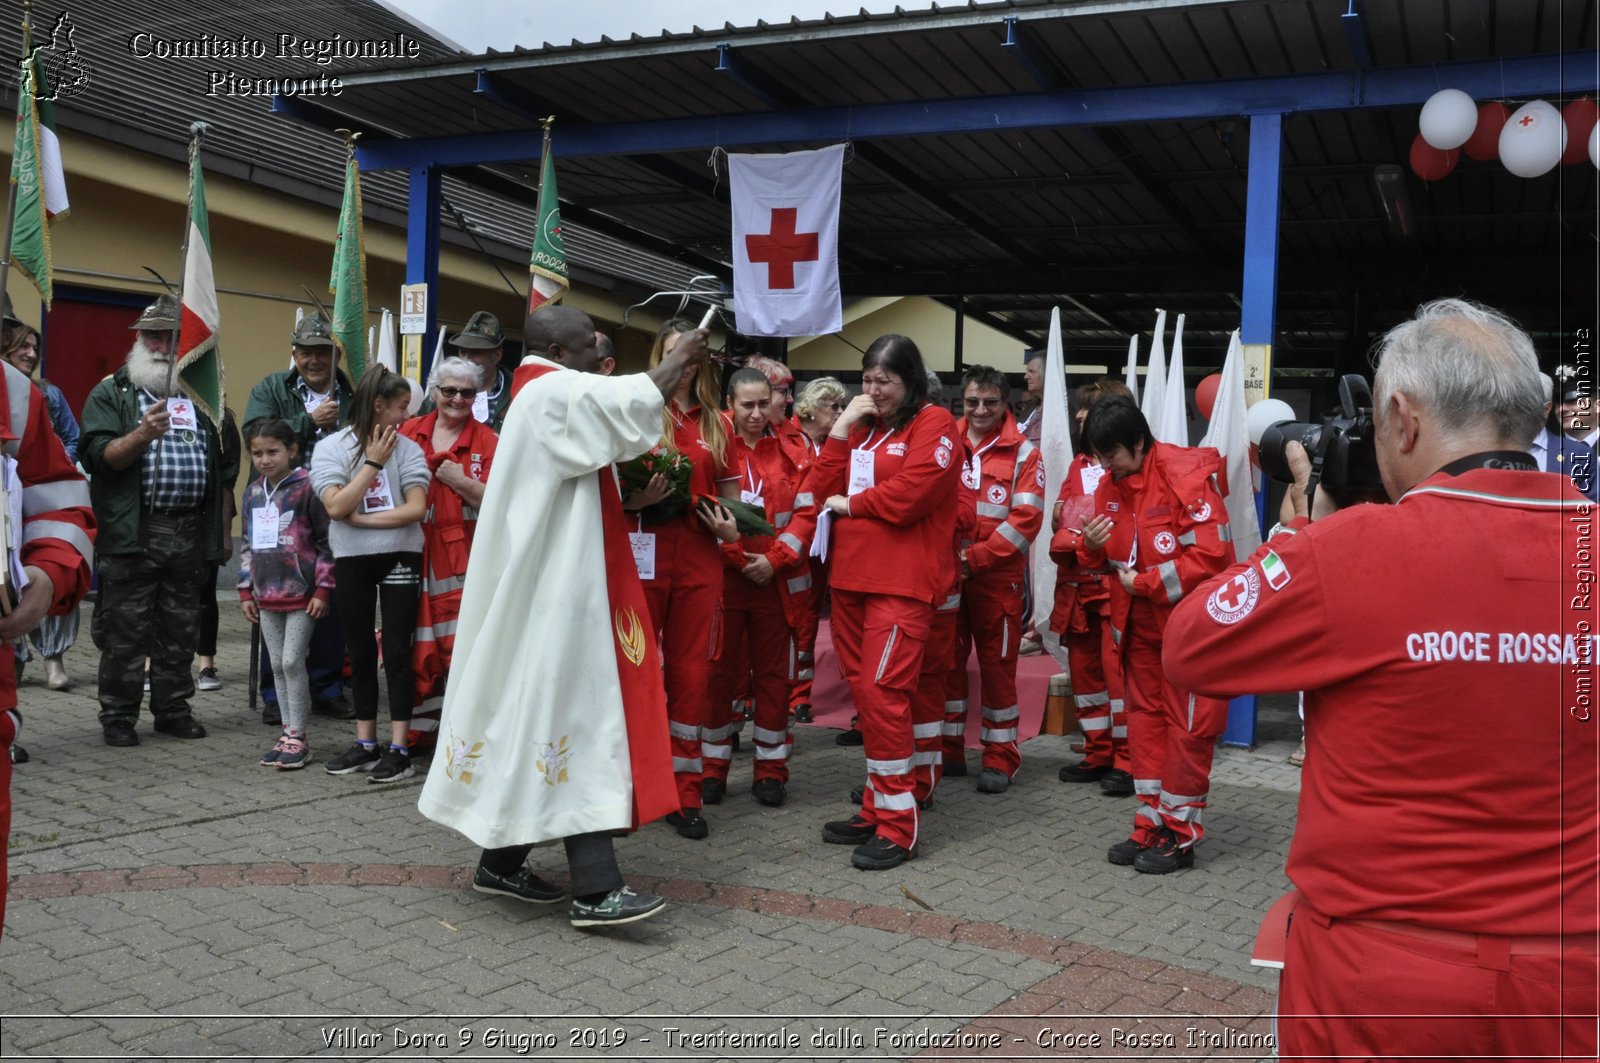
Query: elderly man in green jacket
(314,396)
(158,470)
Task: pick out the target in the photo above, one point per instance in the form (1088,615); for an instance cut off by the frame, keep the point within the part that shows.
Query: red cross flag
(786,242)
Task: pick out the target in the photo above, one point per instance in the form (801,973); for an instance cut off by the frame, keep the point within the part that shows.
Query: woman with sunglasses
(459,449)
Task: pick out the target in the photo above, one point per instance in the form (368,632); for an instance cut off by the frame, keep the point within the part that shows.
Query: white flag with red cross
(786,242)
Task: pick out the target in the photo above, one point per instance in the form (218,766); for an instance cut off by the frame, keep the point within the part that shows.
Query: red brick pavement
(1101,1004)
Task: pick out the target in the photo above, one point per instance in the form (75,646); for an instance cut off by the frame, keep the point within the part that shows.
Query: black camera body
(1343,450)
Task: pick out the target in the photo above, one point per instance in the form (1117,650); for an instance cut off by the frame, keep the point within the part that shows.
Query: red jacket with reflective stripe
(1170,519)
(770,466)
(1009,493)
(1078,589)
(1446,648)
(57,533)
(900,529)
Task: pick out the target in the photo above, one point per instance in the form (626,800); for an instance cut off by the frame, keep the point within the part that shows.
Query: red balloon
(1580,117)
(1429,163)
(1205,394)
(1484,144)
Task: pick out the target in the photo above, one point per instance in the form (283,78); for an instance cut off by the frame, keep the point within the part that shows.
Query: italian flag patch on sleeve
(1275,570)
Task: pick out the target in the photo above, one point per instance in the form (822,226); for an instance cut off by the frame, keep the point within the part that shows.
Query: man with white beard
(158,468)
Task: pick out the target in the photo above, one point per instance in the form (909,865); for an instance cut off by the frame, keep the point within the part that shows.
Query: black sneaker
(769,792)
(858,795)
(1117,783)
(18,754)
(618,907)
(392,766)
(802,714)
(1125,852)
(955,769)
(524,885)
(852,831)
(357,758)
(271,715)
(1083,771)
(993,781)
(690,824)
(851,737)
(120,733)
(880,854)
(1165,856)
(712,791)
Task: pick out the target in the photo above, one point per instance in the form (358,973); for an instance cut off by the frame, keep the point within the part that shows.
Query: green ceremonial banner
(548,267)
(349,281)
(30,235)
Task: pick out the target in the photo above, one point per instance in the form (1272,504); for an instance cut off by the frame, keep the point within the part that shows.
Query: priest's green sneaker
(615,908)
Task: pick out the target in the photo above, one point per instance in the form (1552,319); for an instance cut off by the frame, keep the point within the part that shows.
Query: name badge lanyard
(977,461)
(755,484)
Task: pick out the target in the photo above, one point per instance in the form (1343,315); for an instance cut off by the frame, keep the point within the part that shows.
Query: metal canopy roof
(975,176)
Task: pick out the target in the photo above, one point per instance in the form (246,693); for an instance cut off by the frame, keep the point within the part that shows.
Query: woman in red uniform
(819,404)
(761,578)
(890,474)
(1082,616)
(1159,520)
(459,450)
(682,571)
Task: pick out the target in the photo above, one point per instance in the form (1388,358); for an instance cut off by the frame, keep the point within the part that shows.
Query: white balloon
(1263,415)
(1448,119)
(1533,139)
(1594,146)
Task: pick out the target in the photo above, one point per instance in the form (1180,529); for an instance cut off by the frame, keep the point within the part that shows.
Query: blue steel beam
(1262,210)
(1567,74)
(1022,47)
(422,247)
(1356,31)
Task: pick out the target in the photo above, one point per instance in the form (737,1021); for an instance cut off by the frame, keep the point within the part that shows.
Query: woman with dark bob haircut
(890,473)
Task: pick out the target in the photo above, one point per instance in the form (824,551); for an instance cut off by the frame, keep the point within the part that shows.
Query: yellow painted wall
(930,323)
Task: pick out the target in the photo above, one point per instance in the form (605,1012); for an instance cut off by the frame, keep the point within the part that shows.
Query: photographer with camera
(1447,890)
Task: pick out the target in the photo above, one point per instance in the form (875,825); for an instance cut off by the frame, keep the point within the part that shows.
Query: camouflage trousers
(149,606)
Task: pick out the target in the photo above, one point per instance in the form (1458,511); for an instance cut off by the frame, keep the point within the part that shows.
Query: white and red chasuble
(554,719)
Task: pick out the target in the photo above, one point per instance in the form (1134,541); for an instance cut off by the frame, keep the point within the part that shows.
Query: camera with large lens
(1344,457)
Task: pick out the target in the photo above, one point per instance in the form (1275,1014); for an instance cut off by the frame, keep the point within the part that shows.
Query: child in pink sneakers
(285,574)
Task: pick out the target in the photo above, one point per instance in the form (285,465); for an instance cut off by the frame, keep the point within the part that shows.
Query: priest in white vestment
(554,723)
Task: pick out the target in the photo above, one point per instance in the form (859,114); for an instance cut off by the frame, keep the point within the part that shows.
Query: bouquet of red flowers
(634,475)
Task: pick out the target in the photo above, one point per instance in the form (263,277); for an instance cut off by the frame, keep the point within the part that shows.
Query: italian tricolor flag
(199,360)
(37,173)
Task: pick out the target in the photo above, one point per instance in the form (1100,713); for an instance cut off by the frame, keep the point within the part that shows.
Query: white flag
(388,355)
(1131,377)
(1174,426)
(1055,458)
(1155,377)
(786,242)
(1229,435)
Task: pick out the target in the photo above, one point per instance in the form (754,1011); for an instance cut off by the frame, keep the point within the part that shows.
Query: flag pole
(11,185)
(197,133)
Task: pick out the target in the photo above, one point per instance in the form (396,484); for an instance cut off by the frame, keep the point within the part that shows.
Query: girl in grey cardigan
(374,484)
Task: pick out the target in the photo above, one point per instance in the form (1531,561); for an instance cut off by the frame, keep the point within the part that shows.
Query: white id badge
(1091,477)
(480,407)
(264,527)
(750,498)
(182,414)
(861,476)
(644,553)
(378,497)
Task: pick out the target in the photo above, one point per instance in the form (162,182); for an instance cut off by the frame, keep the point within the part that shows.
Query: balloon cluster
(1529,141)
